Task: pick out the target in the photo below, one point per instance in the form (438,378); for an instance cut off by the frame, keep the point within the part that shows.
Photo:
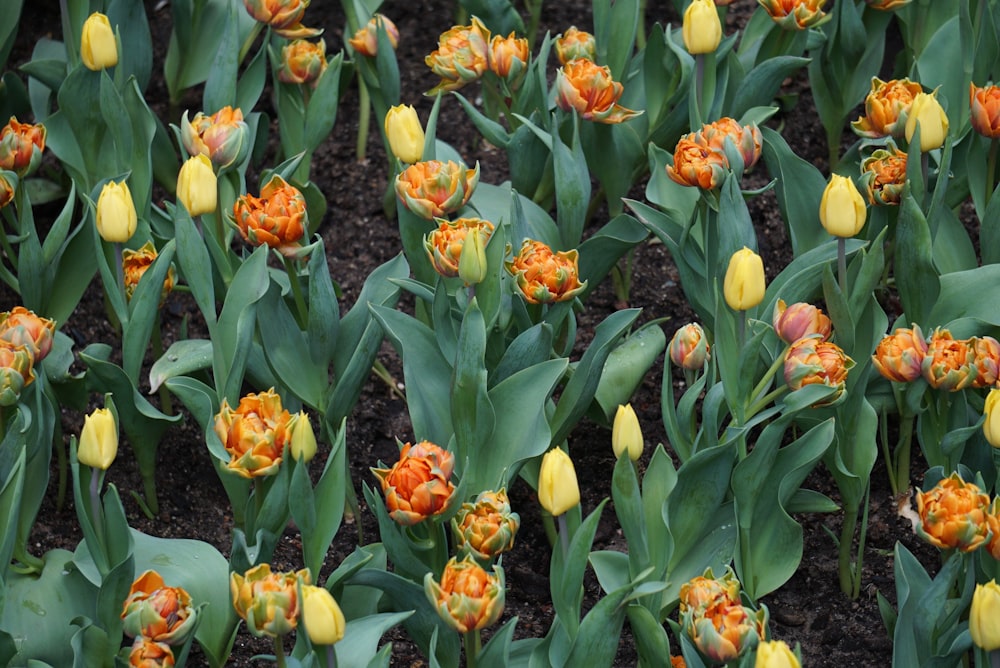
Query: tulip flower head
(799,320)
(927,111)
(984,109)
(404,132)
(197,186)
(745,138)
(21,327)
(467,598)
(268,602)
(147,653)
(991,425)
(486,528)
(134,266)
(776,654)
(953,514)
(99,440)
(695,164)
(626,434)
(588,89)
(887,107)
(508,58)
(302,438)
(899,356)
(986,357)
(884,175)
(949,364)
(283,16)
(434,189)
(277,218)
(302,62)
(743,286)
(221,136)
(984,616)
(21,146)
(574,44)
(842,209)
(365,40)
(116,218)
(701,29)
(98,45)
(446,244)
(810,360)
(255,433)
(993,520)
(558,490)
(6,191)
(462,56)
(544,277)
(712,616)
(158,612)
(796,14)
(16,371)
(419,485)
(688,348)
(323,618)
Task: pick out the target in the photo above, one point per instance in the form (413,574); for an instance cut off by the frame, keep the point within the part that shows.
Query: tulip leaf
(702,483)
(286,348)
(496,652)
(611,568)
(361,637)
(493,132)
(801,279)
(572,179)
(651,639)
(235,329)
(321,112)
(144,312)
(10,503)
(952,248)
(182,358)
(799,190)
(472,413)
(324,313)
(627,497)
(378,289)
(962,296)
(220,84)
(567,568)
(916,277)
(532,346)
(759,87)
(602,250)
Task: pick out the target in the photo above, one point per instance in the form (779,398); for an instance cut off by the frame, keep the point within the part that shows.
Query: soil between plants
(810,609)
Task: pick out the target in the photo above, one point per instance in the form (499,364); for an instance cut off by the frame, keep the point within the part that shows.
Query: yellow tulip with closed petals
(927,111)
(558,490)
(984,616)
(302,438)
(98,48)
(98,440)
(743,286)
(197,186)
(116,219)
(842,209)
(702,30)
(776,654)
(404,132)
(991,426)
(626,434)
(323,617)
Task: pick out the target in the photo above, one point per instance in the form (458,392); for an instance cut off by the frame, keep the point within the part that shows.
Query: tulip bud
(558,490)
(702,30)
(323,618)
(842,209)
(486,528)
(148,653)
(303,438)
(467,598)
(574,44)
(953,514)
(927,111)
(404,132)
(197,186)
(16,371)
(98,440)
(984,110)
(984,616)
(799,320)
(116,218)
(743,286)
(626,434)
(991,426)
(472,265)
(98,48)
(688,348)
(775,654)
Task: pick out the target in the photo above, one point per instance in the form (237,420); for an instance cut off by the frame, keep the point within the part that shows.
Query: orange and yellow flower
(508,58)
(986,357)
(949,364)
(574,44)
(799,320)
(221,136)
(543,276)
(158,612)
(688,348)
(365,40)
(21,146)
(16,371)
(900,356)
(418,485)
(746,138)
(696,164)
(254,433)
(953,514)
(486,528)
(283,16)
(268,602)
(303,62)
(462,56)
(587,88)
(444,245)
(884,175)
(6,191)
(277,218)
(146,653)
(21,327)
(433,189)
(134,265)
(810,360)
(887,107)
(795,14)
(706,592)
(467,598)
(984,108)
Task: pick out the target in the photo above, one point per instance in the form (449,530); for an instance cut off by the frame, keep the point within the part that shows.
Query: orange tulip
(303,62)
(887,107)
(799,320)
(706,592)
(283,16)
(467,598)
(221,136)
(462,56)
(254,433)
(444,245)
(268,602)
(884,175)
(574,44)
(16,371)
(695,164)
(433,189)
(134,265)
(984,107)
(6,191)
(899,356)
(986,357)
(688,347)
(508,58)
(147,653)
(365,40)
(418,485)
(21,146)
(277,218)
(544,277)
(953,514)
(158,612)
(811,360)
(486,528)
(21,327)
(746,138)
(795,14)
(587,88)
(949,364)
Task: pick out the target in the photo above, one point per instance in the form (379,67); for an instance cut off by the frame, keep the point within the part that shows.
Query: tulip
(221,136)
(799,320)
(702,29)
(462,56)
(434,189)
(991,424)
(695,164)
(467,598)
(21,146)
(574,44)
(254,433)
(98,46)
(268,602)
(984,616)
(587,88)
(795,14)
(98,440)
(544,277)
(158,612)
(284,16)
(842,210)
(688,347)
(558,490)
(302,438)
(116,219)
(487,527)
(626,434)
(278,218)
(887,107)
(445,244)
(726,632)
(746,138)
(986,357)
(134,266)
(884,175)
(365,40)
(418,485)
(706,592)
(993,524)
(197,187)
(6,191)
(743,286)
(508,58)
(776,654)
(147,653)
(323,618)
(953,514)
(472,264)
(949,364)
(404,132)
(21,327)
(812,361)
(899,356)
(16,371)
(927,111)
(984,108)
(302,62)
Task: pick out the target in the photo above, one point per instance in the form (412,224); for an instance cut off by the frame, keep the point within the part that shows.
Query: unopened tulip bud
(98,48)
(991,426)
(688,348)
(116,219)
(984,616)
(927,111)
(472,265)
(574,44)
(626,434)
(799,320)
(984,110)
(702,30)
(323,617)
(558,490)
(743,286)
(404,132)
(775,654)
(303,438)
(197,186)
(842,209)
(98,440)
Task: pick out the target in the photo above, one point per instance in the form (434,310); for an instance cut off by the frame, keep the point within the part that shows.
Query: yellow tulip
(303,438)
(558,490)
(98,440)
(472,264)
(927,111)
(98,48)
(743,286)
(702,30)
(775,654)
(984,616)
(116,219)
(404,132)
(197,186)
(842,209)
(626,434)
(323,617)
(991,427)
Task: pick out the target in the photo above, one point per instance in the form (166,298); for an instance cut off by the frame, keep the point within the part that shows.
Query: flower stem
(991,170)
(95,508)
(166,403)
(563,535)
(279,651)
(293,280)
(364,117)
(331,657)
(473,643)
(842,264)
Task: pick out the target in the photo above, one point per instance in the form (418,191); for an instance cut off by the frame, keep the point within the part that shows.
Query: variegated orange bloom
(158,612)
(949,364)
(468,598)
(689,347)
(887,5)
(433,189)
(21,146)
(277,218)
(707,593)
(134,265)
(365,40)
(508,58)
(462,56)
(268,602)
(147,653)
(953,514)
(574,44)
(221,136)
(727,632)
(678,661)
(984,108)
(6,191)
(986,357)
(486,528)
(799,320)
(746,138)
(696,164)
(899,356)
(16,371)
(21,327)
(303,62)
(795,14)
(283,16)
(587,88)
(444,245)
(419,484)
(993,524)
(254,433)
(884,175)
(810,360)
(887,107)
(544,277)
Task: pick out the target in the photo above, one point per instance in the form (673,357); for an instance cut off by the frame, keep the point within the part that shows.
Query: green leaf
(615,23)
(572,180)
(472,413)
(236,324)
(195,264)
(181,359)
(626,365)
(321,112)
(286,348)
(144,314)
(597,640)
(916,277)
(567,569)
(361,638)
(761,84)
(799,190)
(702,484)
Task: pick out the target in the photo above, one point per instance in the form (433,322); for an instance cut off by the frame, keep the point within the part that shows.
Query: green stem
(166,402)
(279,651)
(31,563)
(331,657)
(534,17)
(991,169)
(254,31)
(473,644)
(762,403)
(699,84)
(862,536)
(95,507)
(846,572)
(63,467)
(364,118)
(842,265)
(549,525)
(640,33)
(765,380)
(563,535)
(902,455)
(293,279)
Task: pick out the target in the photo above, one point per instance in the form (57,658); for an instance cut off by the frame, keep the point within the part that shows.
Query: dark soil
(810,609)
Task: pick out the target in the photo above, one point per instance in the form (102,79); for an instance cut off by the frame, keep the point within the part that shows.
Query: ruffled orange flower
(21,146)
(254,433)
(221,136)
(444,245)
(900,356)
(689,347)
(799,320)
(158,612)
(810,360)
(268,602)
(574,44)
(468,598)
(544,277)
(795,14)
(16,371)
(418,485)
(884,175)
(303,62)
(887,107)
(949,364)
(986,357)
(953,514)
(21,327)
(696,164)
(134,265)
(984,108)
(365,40)
(147,653)
(746,138)
(283,16)
(587,88)
(277,218)
(705,594)
(487,527)
(433,189)
(462,56)
(508,58)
